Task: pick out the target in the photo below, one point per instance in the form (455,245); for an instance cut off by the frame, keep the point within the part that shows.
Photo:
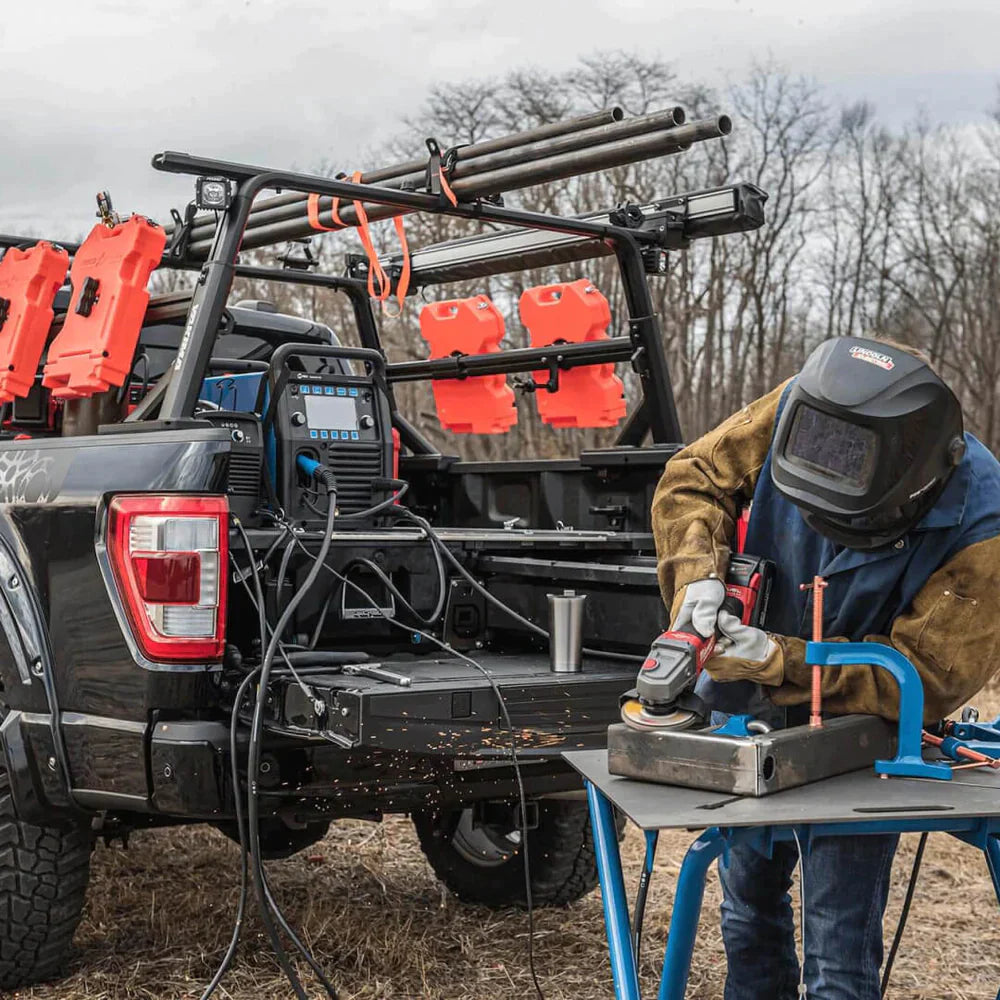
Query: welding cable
(386,581)
(241,828)
(258,607)
(918,857)
(258,602)
(639,912)
(264,898)
(495,601)
(515,760)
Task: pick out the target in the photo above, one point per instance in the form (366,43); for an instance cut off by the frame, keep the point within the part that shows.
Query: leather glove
(745,653)
(699,608)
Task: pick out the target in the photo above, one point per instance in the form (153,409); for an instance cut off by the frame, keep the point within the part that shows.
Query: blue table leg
(616,919)
(687,909)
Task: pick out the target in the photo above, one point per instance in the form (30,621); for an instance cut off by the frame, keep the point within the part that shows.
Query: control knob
(298,418)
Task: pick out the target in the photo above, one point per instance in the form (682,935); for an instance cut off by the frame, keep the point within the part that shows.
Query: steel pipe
(601,157)
(383,175)
(292,206)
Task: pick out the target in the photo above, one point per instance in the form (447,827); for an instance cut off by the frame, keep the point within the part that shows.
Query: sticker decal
(872,357)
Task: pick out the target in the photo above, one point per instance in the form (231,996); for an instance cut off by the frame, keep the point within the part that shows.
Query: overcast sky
(89,89)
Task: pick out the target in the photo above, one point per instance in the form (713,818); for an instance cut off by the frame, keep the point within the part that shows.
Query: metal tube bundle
(552,152)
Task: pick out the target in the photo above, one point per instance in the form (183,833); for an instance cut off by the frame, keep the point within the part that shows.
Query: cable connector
(312,469)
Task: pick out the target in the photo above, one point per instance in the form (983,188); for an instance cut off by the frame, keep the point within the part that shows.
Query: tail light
(168,555)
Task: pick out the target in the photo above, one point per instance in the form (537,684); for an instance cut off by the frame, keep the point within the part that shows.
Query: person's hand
(699,609)
(745,653)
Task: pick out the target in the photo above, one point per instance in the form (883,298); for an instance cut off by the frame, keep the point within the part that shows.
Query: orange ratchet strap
(376,272)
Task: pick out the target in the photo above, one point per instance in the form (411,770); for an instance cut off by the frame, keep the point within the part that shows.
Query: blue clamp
(735,725)
(908,762)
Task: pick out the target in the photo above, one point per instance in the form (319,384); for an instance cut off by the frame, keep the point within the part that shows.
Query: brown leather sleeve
(951,635)
(701,492)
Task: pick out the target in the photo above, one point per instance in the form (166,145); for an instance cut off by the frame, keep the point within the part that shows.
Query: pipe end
(617,113)
(725,124)
(680,115)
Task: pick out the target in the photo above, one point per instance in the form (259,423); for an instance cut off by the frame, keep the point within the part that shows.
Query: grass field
(159,916)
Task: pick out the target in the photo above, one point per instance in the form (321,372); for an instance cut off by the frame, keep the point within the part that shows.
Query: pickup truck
(238,587)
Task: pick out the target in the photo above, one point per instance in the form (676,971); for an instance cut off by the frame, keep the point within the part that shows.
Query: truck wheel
(482,863)
(43,881)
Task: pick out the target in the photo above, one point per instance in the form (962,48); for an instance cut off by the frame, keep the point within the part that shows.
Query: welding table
(967,807)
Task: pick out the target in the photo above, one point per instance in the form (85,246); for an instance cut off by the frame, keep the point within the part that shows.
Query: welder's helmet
(866,442)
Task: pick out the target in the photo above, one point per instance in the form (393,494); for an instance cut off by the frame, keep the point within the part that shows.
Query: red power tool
(663,697)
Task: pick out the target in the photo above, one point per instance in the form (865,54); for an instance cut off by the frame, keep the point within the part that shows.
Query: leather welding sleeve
(951,634)
(701,493)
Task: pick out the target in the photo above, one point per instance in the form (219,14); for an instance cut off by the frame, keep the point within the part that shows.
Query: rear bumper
(376,747)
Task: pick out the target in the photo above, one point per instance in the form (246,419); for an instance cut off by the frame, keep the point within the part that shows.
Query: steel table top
(861,796)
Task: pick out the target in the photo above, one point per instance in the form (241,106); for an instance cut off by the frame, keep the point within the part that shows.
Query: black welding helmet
(867,440)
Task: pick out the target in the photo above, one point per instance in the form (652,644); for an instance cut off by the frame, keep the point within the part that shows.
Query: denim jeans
(846,883)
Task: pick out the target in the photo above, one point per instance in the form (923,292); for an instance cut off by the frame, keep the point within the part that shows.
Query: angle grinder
(663,696)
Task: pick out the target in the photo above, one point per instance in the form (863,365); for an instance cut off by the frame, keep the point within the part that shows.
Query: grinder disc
(636,715)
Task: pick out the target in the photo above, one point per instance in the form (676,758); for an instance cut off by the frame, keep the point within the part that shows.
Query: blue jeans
(846,884)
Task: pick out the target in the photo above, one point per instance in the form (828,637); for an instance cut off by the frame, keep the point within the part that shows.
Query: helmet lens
(833,448)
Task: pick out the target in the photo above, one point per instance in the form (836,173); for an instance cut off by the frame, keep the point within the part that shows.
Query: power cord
(438,543)
(268,906)
(515,760)
(918,858)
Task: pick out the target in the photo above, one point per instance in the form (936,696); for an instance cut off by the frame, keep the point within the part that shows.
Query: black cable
(438,542)
(903,914)
(394,590)
(522,797)
(241,828)
(266,902)
(258,603)
(640,912)
(288,658)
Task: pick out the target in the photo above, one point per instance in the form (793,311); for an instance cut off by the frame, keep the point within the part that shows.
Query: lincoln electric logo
(873,357)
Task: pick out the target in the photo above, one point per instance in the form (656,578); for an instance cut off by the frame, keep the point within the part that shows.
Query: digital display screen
(331,412)
(832,446)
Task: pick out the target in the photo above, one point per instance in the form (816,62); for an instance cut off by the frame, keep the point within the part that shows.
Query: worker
(857,470)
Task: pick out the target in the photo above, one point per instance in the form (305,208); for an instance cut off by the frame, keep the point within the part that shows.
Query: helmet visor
(835,449)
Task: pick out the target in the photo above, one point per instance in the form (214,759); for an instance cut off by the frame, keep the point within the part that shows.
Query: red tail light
(168,555)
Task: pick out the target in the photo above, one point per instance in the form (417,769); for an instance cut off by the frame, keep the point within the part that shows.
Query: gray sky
(89,89)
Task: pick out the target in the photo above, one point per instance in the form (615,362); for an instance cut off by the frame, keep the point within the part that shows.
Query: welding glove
(745,653)
(699,607)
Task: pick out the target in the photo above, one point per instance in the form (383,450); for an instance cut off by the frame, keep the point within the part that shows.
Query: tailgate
(450,708)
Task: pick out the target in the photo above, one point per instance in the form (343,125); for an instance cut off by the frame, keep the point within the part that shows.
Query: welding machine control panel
(333,408)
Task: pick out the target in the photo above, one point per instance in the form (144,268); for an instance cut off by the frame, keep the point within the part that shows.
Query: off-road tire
(43,881)
(560,852)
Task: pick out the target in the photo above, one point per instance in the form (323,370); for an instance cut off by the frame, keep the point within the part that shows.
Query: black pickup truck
(239,587)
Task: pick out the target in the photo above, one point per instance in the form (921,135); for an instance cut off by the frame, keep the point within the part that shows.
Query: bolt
(37,669)
(52,763)
(168,772)
(265,767)
(14,582)
(319,707)
(345,711)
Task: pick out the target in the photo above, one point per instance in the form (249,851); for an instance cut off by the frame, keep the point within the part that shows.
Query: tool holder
(908,762)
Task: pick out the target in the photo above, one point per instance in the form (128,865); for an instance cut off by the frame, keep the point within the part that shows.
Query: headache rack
(462,182)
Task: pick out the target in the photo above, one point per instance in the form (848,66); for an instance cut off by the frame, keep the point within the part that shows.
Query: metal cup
(566,631)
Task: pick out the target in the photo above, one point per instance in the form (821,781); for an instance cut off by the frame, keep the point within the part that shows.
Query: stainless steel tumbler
(566,631)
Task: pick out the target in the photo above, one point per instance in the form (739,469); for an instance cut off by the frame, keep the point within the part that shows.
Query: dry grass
(158,918)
